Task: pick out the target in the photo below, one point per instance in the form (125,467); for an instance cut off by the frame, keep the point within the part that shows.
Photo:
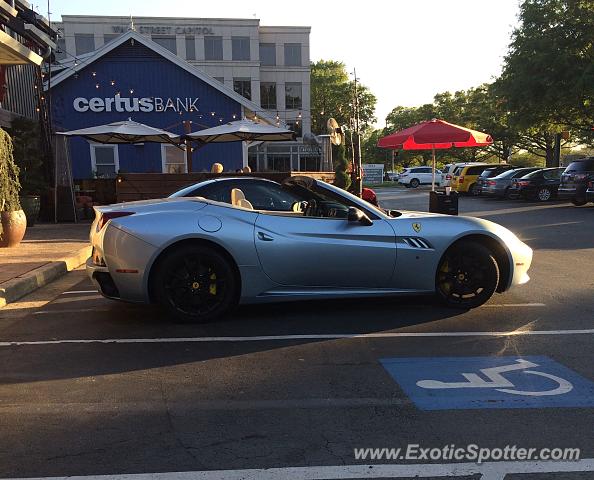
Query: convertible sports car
(200,257)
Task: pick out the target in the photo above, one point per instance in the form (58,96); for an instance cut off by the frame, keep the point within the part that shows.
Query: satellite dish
(334,131)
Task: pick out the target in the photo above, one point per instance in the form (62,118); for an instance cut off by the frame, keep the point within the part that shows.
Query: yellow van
(465,177)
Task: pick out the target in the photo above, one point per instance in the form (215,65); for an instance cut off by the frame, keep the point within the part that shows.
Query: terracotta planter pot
(13,229)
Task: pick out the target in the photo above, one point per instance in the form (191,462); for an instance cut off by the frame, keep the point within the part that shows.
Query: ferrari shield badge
(416,227)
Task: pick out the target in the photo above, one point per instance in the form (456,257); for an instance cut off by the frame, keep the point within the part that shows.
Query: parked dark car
(489,173)
(590,191)
(499,186)
(541,185)
(575,179)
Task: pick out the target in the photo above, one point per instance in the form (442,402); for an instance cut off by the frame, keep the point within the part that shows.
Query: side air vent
(416,242)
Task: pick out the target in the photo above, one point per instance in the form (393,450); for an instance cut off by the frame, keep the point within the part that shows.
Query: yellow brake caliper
(213,285)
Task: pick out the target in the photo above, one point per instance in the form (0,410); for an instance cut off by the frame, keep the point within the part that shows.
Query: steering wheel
(311,209)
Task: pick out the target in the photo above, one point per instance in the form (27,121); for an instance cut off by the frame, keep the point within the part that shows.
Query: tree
(547,83)
(332,95)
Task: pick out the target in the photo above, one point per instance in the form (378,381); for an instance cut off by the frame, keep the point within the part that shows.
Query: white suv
(415,176)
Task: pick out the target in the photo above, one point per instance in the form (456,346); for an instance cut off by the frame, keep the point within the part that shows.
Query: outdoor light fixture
(96,85)
(131,91)
(94,74)
(112,83)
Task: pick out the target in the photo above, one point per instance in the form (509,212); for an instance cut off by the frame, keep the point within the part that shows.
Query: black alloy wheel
(467,275)
(195,284)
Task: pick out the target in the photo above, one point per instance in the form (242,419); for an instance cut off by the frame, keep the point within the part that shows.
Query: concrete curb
(20,286)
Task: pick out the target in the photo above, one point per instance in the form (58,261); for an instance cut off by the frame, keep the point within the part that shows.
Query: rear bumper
(565,193)
(102,279)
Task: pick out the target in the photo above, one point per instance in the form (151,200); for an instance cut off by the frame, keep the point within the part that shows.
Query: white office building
(268,65)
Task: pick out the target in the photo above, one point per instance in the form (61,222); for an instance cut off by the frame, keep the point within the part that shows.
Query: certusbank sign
(134,104)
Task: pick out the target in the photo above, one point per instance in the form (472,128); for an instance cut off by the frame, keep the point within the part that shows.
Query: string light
(131,91)
(94,74)
(112,83)
(96,85)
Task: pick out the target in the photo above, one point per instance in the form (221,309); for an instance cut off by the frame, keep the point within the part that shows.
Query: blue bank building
(133,77)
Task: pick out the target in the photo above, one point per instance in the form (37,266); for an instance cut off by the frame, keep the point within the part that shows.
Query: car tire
(195,284)
(467,275)
(578,202)
(507,194)
(544,194)
(473,190)
(414,183)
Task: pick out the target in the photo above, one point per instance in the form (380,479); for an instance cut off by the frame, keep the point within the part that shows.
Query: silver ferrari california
(240,240)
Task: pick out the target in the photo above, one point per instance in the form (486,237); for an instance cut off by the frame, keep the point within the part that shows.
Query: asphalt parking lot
(91,387)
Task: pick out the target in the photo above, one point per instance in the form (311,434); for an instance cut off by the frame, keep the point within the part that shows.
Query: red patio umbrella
(434,134)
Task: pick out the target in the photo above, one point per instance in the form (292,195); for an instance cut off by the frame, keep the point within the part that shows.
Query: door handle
(266,238)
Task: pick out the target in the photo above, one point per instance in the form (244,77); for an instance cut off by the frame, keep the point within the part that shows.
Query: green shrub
(9,176)
(341,165)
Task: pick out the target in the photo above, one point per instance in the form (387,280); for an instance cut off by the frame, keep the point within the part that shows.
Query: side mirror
(356,215)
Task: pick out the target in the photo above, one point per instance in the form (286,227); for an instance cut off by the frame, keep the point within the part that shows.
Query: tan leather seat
(238,199)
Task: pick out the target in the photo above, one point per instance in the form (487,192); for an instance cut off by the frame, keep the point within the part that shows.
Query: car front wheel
(467,275)
(578,202)
(195,284)
(414,183)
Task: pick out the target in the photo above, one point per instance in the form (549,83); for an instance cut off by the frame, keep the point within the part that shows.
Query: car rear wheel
(195,284)
(414,183)
(473,190)
(544,194)
(467,275)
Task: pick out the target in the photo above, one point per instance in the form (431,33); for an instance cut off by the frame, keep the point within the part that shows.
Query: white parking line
(314,336)
(515,305)
(100,310)
(488,471)
(75,292)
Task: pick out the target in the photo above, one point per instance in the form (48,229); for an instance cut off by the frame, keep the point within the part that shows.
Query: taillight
(461,180)
(491,182)
(580,176)
(107,216)
(448,177)
(523,183)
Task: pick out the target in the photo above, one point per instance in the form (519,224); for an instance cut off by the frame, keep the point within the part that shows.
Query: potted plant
(12,219)
(27,155)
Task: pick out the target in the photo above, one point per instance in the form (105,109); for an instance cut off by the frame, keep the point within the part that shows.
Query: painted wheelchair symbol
(497,381)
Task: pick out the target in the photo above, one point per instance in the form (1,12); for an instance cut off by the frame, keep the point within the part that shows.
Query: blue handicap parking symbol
(444,383)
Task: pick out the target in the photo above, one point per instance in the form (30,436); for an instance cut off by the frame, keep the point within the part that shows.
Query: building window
(173,159)
(268,95)
(213,48)
(190,48)
(61,49)
(292,96)
(166,42)
(267,54)
(104,160)
(296,126)
(293,54)
(108,37)
(243,86)
(240,48)
(84,43)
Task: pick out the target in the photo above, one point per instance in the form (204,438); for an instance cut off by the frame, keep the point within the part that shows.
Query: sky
(405,51)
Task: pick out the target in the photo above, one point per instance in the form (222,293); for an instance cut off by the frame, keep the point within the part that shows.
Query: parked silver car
(199,258)
(500,185)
